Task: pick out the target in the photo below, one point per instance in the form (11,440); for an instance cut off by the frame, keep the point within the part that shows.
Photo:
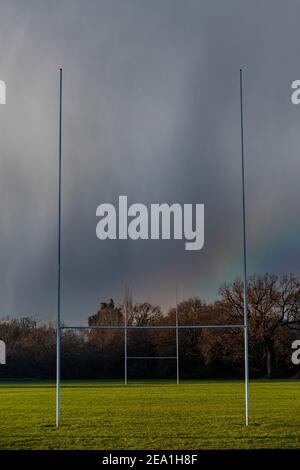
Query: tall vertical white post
(177,339)
(125,341)
(58,328)
(246,336)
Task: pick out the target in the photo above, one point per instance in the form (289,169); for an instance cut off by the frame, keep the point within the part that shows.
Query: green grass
(152,415)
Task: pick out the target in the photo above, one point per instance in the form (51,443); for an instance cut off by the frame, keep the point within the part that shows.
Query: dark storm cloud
(151,110)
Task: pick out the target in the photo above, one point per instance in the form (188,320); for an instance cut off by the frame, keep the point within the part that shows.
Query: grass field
(152,415)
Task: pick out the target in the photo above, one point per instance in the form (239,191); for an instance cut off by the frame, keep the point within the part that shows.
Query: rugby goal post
(126,327)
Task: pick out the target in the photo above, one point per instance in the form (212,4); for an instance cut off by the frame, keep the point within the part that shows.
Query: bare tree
(144,314)
(274,303)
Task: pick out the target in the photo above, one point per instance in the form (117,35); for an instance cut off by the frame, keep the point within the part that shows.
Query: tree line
(274,323)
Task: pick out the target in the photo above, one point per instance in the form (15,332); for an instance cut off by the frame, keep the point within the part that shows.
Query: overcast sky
(151,110)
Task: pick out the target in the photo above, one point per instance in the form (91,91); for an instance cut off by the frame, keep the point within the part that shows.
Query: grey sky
(151,110)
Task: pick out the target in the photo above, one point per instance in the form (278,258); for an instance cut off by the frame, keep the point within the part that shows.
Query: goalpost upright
(177,338)
(246,335)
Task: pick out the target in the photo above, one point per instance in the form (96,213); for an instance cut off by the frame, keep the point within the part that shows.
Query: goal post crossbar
(152,327)
(151,357)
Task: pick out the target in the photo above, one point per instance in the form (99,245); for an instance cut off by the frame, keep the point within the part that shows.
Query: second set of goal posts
(127,327)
